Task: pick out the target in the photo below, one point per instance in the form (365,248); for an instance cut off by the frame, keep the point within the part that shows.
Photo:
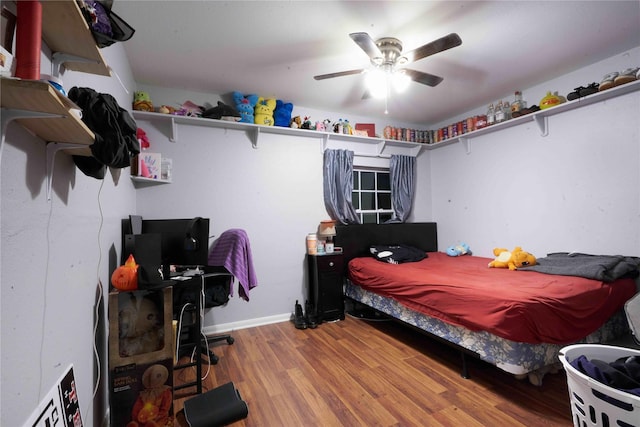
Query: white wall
(53,256)
(577,189)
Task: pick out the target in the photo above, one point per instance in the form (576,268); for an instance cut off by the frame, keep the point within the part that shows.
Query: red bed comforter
(522,306)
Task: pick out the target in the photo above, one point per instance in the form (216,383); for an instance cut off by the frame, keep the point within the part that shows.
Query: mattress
(519,306)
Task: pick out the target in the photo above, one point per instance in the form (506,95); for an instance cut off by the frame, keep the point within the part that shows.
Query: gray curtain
(402,175)
(338,186)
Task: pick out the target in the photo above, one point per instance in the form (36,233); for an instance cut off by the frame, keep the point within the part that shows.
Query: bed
(514,320)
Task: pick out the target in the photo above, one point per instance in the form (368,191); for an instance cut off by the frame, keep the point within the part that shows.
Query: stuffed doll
(461,249)
(245,106)
(282,114)
(140,326)
(263,111)
(154,402)
(512,259)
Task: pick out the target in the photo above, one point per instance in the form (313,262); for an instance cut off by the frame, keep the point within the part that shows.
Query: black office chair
(217,285)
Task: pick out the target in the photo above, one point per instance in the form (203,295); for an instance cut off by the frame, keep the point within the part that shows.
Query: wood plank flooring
(361,373)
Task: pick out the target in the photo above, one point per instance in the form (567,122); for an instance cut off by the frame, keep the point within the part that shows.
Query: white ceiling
(274,48)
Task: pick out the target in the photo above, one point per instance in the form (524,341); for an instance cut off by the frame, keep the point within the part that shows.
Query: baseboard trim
(244,324)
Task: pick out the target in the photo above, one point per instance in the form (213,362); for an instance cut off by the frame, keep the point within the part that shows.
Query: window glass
(371,195)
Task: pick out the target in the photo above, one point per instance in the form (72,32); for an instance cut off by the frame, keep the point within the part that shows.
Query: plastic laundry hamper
(594,403)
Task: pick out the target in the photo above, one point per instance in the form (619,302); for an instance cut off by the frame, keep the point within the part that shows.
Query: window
(371,195)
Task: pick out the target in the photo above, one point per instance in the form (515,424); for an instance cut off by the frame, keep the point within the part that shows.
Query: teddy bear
(245,106)
(296,123)
(282,114)
(263,111)
(457,250)
(153,404)
(512,259)
(142,101)
(140,325)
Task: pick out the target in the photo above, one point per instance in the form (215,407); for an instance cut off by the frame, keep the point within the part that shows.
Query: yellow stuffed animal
(263,112)
(512,259)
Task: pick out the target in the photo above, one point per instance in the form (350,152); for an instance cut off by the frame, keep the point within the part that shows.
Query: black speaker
(190,242)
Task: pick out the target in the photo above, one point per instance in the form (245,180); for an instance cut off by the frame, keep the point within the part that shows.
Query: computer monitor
(184,242)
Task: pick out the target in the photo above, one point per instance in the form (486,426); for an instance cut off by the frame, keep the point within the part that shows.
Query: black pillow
(397,254)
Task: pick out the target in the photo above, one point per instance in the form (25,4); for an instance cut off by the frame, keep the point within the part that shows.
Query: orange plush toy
(512,259)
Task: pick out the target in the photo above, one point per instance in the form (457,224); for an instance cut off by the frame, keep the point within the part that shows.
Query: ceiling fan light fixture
(376,82)
(400,81)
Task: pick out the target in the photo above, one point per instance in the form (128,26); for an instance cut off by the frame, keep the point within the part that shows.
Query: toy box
(141,358)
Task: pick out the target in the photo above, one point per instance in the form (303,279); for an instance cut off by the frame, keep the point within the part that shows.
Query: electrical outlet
(60,407)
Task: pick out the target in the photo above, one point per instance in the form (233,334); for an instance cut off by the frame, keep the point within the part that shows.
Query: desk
(188,297)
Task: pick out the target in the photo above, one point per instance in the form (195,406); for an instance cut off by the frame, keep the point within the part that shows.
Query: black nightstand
(325,286)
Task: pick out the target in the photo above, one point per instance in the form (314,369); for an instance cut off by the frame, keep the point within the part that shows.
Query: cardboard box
(141,347)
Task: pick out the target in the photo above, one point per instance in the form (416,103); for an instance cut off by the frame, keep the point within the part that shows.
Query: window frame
(366,216)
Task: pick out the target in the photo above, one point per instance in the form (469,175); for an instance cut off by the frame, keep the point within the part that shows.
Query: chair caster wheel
(230,340)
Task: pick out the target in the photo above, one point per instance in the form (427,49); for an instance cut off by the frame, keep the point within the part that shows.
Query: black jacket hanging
(116,142)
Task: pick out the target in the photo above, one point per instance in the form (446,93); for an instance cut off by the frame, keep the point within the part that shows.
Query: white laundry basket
(592,402)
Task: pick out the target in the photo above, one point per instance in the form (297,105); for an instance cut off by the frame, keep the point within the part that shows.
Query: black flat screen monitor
(184,242)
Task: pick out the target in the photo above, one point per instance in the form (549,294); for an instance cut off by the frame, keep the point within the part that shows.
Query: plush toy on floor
(512,259)
(461,249)
(245,106)
(263,111)
(154,401)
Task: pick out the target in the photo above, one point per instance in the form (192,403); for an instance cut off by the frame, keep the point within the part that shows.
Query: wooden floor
(362,373)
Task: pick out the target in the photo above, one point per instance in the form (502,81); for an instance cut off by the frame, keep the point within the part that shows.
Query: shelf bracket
(52,149)
(10,114)
(466,142)
(59,58)
(173,137)
(542,123)
(325,141)
(253,135)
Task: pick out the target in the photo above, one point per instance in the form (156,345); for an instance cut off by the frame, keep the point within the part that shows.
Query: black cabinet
(325,286)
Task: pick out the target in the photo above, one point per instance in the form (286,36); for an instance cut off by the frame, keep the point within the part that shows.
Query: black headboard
(355,240)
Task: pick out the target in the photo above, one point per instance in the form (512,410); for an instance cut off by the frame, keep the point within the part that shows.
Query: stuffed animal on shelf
(512,259)
(245,106)
(296,123)
(143,140)
(282,114)
(461,249)
(166,109)
(263,111)
(142,101)
(222,111)
(154,402)
(139,325)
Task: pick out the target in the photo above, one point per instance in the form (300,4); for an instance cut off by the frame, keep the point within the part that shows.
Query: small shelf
(67,34)
(540,117)
(143,180)
(53,120)
(254,131)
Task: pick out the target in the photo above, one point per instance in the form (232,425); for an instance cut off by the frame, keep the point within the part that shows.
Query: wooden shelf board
(37,96)
(62,22)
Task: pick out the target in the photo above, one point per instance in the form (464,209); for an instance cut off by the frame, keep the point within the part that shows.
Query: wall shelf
(67,34)
(253,131)
(149,181)
(36,105)
(540,117)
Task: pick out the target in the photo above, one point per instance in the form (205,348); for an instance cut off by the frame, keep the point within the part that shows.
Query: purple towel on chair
(232,251)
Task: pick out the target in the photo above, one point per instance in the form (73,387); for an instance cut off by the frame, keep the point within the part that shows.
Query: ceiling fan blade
(424,78)
(367,44)
(444,43)
(340,74)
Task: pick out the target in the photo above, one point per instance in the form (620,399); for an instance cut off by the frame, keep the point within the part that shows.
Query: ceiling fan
(387,59)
